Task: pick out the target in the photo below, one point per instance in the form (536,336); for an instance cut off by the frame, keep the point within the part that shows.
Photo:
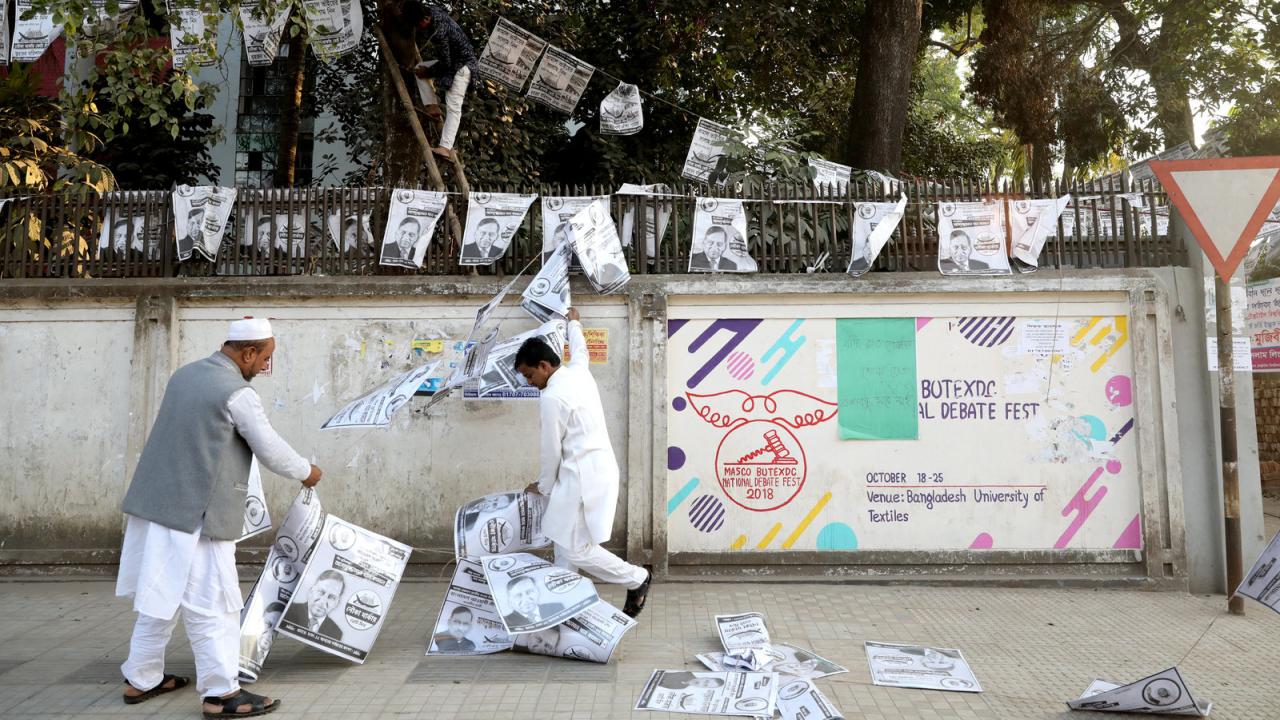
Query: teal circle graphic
(837,536)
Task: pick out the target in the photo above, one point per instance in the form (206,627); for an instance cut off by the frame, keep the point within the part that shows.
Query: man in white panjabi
(579,472)
(184,511)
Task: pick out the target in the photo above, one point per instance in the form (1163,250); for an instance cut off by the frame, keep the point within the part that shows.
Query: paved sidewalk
(63,641)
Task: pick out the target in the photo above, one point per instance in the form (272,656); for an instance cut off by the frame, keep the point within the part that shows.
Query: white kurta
(579,473)
(163,569)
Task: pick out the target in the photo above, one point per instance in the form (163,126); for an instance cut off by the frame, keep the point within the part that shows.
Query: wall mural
(926,433)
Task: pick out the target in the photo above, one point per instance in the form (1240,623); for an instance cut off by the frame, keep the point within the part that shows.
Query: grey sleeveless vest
(194,464)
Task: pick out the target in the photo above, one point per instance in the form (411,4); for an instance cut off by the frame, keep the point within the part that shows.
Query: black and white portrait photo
(322,599)
(720,237)
(410,224)
(527,603)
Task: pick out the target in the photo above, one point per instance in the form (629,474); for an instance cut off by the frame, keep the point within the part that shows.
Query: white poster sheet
(705,151)
(873,225)
(829,177)
(285,562)
(556,214)
(335,26)
(510,54)
(499,371)
(191,30)
(200,216)
(720,237)
(1164,693)
(784,659)
(285,233)
(261,33)
(559,80)
(468,623)
(122,232)
(532,594)
(376,407)
(256,518)
(591,635)
(410,224)
(33,36)
(102,22)
(1032,222)
(547,296)
(971,238)
(596,244)
(346,590)
(710,693)
(4,33)
(499,523)
(493,219)
(1263,581)
(657,214)
(622,111)
(915,666)
(799,699)
(349,229)
(746,641)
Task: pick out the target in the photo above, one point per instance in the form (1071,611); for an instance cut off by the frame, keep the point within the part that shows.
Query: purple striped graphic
(986,331)
(740,366)
(707,513)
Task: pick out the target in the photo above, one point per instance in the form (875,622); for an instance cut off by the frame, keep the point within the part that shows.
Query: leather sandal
(231,706)
(637,597)
(159,689)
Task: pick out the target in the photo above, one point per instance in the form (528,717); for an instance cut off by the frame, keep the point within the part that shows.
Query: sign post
(1224,202)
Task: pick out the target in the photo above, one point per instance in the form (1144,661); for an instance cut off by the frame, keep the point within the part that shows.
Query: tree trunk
(402,164)
(1173,109)
(882,96)
(291,110)
(1041,166)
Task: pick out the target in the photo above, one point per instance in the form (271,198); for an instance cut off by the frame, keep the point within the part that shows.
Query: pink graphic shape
(1132,535)
(1083,505)
(1120,391)
(740,366)
(921,322)
(984,541)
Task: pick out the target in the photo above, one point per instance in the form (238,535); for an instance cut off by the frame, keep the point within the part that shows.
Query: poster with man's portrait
(710,693)
(510,54)
(971,238)
(720,237)
(411,223)
(556,214)
(493,219)
(266,232)
(200,216)
(499,523)
(1032,222)
(349,230)
(595,242)
(122,233)
(531,594)
(468,623)
(873,225)
(262,33)
(591,635)
(346,590)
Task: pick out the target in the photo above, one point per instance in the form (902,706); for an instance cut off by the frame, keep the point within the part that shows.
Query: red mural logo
(760,463)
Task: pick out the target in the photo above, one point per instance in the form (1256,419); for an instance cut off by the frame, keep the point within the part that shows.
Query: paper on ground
(746,641)
(591,635)
(786,660)
(710,693)
(468,623)
(285,562)
(799,699)
(915,666)
(532,594)
(1263,581)
(499,523)
(347,588)
(1164,693)
(375,408)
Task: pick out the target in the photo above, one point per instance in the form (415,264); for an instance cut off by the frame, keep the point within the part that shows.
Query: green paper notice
(876,381)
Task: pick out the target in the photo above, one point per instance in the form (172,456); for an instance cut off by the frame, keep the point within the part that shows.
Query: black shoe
(636,598)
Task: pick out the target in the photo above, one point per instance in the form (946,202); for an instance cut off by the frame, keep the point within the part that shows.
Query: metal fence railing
(789,227)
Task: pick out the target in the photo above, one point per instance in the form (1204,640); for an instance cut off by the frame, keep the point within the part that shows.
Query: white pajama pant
(215,642)
(453,107)
(601,564)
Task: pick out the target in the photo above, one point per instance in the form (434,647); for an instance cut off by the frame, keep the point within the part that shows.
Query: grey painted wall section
(342,335)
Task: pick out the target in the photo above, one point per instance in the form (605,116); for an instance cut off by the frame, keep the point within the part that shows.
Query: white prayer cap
(249,329)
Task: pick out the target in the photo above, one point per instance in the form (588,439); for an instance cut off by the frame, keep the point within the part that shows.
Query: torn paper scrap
(1263,581)
(1164,693)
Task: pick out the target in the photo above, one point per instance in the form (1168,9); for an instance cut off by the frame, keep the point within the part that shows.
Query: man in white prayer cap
(185,510)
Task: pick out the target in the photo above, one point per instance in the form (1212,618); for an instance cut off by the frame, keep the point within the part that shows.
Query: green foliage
(34,153)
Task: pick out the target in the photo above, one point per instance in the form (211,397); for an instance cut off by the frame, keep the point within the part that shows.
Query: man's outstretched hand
(573,314)
(313,478)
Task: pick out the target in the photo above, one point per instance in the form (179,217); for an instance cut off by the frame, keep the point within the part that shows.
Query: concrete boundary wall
(85,362)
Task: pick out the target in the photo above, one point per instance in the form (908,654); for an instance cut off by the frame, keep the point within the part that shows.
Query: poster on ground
(284,565)
(493,219)
(532,594)
(799,699)
(411,223)
(720,237)
(559,80)
(784,659)
(710,693)
(1263,581)
(468,623)
(510,54)
(499,523)
(971,238)
(591,635)
(345,592)
(376,407)
(200,216)
(1164,693)
(916,666)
